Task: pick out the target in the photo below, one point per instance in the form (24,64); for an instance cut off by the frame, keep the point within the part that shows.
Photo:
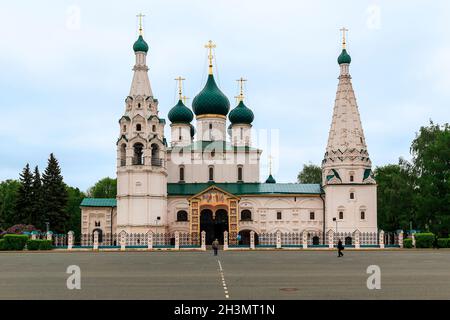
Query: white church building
(207,177)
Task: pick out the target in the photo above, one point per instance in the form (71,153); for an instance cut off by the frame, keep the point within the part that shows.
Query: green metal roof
(140,45)
(211,100)
(344,57)
(189,189)
(241,114)
(98,202)
(180,113)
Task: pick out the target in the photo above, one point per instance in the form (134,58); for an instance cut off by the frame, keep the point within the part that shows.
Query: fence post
(150,240)
(400,239)
(305,240)
(381,240)
(357,239)
(278,239)
(252,239)
(331,239)
(413,240)
(203,247)
(70,240)
(177,240)
(123,240)
(225,240)
(49,235)
(95,245)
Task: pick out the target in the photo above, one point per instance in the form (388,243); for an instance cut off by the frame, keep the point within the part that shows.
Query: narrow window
(124,128)
(352,195)
(138,127)
(363,215)
(351,179)
(311,215)
(153,128)
(181,173)
(211,173)
(239,173)
(341,215)
(139,105)
(179,134)
(242,133)
(279,215)
(210,131)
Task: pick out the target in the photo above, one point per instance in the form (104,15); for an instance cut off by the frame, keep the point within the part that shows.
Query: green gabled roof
(367,173)
(98,202)
(125,117)
(215,145)
(190,189)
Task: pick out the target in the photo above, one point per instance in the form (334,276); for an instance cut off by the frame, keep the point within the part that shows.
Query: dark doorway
(245,238)
(214,227)
(100,235)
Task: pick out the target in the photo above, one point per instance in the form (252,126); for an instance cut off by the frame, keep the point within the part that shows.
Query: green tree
(75,196)
(431,160)
(310,174)
(8,198)
(24,201)
(37,216)
(54,196)
(104,188)
(395,196)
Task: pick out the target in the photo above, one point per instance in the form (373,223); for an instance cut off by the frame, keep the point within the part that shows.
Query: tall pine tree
(37,217)
(54,197)
(24,201)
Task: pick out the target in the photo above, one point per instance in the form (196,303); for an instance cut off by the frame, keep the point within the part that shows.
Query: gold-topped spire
(141,29)
(344,43)
(180,87)
(210,45)
(241,81)
(270,164)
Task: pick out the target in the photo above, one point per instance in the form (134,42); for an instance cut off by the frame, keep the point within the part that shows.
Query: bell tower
(141,154)
(347,178)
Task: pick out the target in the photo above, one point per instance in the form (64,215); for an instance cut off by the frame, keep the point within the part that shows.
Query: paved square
(405,274)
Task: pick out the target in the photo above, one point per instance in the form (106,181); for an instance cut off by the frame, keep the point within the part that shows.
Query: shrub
(443,243)
(14,241)
(21,228)
(2,244)
(407,243)
(424,240)
(45,245)
(39,244)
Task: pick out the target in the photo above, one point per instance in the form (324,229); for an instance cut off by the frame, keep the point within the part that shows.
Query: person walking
(215,246)
(340,247)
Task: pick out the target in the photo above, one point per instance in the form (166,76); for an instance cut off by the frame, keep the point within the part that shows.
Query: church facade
(207,177)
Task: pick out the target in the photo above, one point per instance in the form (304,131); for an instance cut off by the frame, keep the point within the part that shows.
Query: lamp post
(335,220)
(48,226)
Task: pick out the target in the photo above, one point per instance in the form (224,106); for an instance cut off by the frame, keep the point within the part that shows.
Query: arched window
(124,128)
(180,137)
(312,215)
(181,173)
(246,215)
(341,215)
(153,128)
(182,215)
(139,105)
(352,195)
(239,173)
(156,161)
(138,127)
(211,173)
(123,154)
(138,157)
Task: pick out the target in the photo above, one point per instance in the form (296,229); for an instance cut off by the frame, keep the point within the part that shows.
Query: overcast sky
(65,70)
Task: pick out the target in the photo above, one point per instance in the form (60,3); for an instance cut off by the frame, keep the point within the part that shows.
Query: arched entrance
(214,224)
(245,238)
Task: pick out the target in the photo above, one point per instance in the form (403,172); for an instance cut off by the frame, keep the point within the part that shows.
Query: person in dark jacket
(215,246)
(340,247)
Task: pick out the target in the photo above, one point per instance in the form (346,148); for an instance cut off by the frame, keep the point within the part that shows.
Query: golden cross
(344,30)
(180,86)
(210,45)
(140,16)
(241,88)
(185,99)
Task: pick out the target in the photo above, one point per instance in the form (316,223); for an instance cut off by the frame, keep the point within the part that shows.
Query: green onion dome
(140,45)
(241,114)
(344,57)
(192,130)
(180,113)
(211,100)
(271,179)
